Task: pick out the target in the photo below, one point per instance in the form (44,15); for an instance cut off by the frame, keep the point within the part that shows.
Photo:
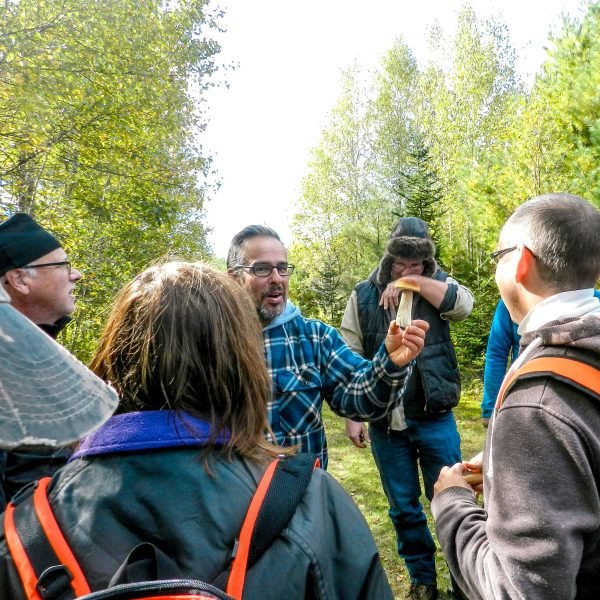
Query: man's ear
(18,281)
(525,266)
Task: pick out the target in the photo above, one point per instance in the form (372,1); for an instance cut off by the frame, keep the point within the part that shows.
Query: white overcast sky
(290,56)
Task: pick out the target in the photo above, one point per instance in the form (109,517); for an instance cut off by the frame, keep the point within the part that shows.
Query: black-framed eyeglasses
(498,254)
(62,263)
(265,269)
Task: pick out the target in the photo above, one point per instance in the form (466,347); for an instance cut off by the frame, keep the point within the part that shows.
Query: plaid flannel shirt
(309,362)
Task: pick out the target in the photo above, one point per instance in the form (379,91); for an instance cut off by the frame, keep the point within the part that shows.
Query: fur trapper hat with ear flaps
(410,241)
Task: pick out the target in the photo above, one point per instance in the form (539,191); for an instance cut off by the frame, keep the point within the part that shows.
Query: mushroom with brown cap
(407,285)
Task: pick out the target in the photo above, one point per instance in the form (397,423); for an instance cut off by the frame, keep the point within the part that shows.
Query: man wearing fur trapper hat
(422,431)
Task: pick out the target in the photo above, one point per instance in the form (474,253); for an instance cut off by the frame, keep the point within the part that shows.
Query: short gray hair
(237,255)
(563,232)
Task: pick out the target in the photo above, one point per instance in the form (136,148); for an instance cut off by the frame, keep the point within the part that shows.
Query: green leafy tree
(555,142)
(459,143)
(99,133)
(470,93)
(420,189)
(327,293)
(428,131)
(337,228)
(394,126)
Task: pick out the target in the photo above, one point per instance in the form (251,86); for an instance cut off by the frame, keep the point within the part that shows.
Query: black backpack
(50,571)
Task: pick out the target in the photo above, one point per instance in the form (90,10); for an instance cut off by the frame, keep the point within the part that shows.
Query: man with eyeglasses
(308,361)
(539,533)
(422,432)
(39,280)
(36,274)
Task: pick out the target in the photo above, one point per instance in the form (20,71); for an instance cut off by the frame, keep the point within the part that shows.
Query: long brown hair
(185,337)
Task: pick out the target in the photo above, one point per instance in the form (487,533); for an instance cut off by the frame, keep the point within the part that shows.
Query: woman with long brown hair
(177,466)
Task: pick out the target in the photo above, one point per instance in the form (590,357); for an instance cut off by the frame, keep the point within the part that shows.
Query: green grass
(356,471)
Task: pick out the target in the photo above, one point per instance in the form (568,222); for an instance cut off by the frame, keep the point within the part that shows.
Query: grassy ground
(356,471)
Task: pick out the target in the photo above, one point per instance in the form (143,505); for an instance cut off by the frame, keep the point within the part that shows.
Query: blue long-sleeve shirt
(502,346)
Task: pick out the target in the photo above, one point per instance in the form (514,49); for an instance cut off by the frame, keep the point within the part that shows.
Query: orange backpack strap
(42,557)
(274,503)
(49,571)
(571,371)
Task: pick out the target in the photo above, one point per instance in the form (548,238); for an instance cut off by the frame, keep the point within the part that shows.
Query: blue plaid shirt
(309,362)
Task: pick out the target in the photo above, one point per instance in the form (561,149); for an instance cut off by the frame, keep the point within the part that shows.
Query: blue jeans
(426,443)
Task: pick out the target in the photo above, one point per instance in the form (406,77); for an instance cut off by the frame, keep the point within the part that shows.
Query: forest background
(102,114)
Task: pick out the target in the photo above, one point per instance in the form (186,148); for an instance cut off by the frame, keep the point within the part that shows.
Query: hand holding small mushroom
(405,344)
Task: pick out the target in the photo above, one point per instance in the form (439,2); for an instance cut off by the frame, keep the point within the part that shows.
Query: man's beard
(266,315)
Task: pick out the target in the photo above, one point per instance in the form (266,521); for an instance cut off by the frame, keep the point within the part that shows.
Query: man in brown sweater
(539,534)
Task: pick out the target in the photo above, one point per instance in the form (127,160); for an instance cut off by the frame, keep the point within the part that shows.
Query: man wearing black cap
(36,273)
(421,431)
(38,278)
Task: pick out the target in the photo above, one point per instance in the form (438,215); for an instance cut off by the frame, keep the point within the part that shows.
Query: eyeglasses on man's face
(413,265)
(62,263)
(265,269)
(498,254)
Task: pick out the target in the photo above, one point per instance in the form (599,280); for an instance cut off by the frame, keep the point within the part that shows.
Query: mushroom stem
(404,314)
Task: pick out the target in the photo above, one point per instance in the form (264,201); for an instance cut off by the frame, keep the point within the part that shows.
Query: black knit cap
(22,240)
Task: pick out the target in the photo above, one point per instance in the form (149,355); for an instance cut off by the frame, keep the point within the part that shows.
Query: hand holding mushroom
(405,344)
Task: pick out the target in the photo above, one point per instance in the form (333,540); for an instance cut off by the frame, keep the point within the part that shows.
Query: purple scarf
(147,430)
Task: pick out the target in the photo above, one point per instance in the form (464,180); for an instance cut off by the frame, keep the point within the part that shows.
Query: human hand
(475,461)
(357,433)
(473,472)
(450,477)
(474,477)
(485,421)
(390,298)
(403,345)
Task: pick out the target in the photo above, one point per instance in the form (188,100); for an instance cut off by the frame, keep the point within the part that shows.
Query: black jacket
(106,505)
(435,382)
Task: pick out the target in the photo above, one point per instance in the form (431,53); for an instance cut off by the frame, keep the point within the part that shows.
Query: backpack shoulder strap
(277,496)
(42,557)
(571,371)
(49,570)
